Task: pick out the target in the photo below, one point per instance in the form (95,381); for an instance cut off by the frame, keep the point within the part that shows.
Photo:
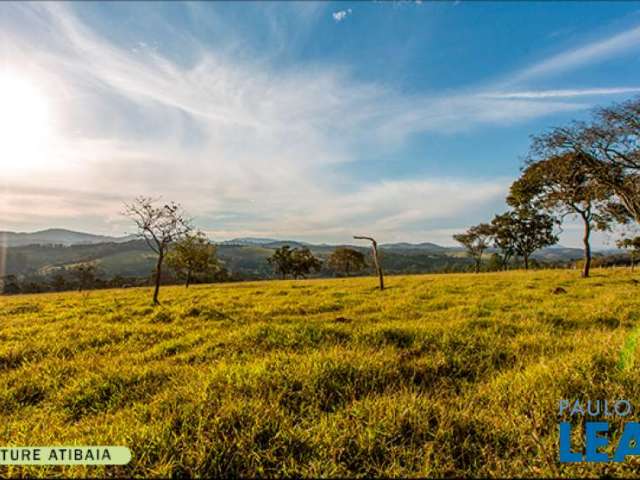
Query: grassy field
(438,375)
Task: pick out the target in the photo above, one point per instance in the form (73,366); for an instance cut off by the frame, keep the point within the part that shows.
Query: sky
(314,121)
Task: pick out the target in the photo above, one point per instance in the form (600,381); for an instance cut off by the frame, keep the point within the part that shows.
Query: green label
(74,455)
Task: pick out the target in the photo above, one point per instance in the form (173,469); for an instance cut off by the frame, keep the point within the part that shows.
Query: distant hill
(44,252)
(56,236)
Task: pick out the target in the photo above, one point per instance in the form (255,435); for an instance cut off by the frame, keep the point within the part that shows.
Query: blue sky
(307,120)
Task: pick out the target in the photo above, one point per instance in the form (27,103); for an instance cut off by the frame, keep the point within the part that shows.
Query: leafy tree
(633,245)
(193,257)
(10,284)
(282,261)
(475,240)
(346,260)
(610,144)
(59,282)
(504,238)
(303,262)
(566,185)
(86,275)
(159,227)
(523,231)
(495,263)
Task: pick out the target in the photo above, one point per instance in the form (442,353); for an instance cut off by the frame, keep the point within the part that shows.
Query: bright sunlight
(24,123)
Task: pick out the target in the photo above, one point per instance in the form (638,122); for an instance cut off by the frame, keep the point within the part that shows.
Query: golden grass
(438,375)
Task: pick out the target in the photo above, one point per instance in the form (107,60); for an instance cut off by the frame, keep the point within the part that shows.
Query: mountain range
(56,236)
(61,236)
(47,251)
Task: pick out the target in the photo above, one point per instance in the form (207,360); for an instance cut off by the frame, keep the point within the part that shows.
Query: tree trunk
(158,275)
(587,248)
(526,262)
(478,266)
(188,282)
(376,263)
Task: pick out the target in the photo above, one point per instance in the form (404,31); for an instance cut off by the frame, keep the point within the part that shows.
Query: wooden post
(376,263)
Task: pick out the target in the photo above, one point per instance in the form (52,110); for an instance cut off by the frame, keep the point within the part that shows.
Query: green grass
(438,375)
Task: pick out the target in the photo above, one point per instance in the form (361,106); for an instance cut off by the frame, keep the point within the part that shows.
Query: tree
(10,284)
(193,257)
(282,261)
(565,184)
(503,238)
(86,275)
(346,260)
(159,227)
(609,144)
(475,240)
(523,231)
(376,261)
(303,262)
(58,282)
(633,245)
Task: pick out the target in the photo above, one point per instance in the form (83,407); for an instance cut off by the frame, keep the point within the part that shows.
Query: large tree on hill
(346,260)
(609,143)
(193,256)
(159,226)
(475,241)
(566,185)
(282,261)
(525,230)
(303,262)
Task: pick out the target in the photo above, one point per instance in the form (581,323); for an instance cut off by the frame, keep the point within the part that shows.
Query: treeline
(586,170)
(88,276)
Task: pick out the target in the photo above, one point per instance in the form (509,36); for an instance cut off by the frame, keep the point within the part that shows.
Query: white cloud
(341,14)
(592,52)
(247,148)
(565,93)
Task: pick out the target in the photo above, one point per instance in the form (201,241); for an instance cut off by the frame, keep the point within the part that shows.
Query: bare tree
(376,262)
(159,227)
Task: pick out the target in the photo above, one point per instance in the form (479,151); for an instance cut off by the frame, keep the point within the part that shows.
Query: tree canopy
(193,257)
(475,240)
(565,185)
(346,260)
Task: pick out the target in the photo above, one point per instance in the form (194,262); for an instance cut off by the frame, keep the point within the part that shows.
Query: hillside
(244,258)
(55,236)
(441,375)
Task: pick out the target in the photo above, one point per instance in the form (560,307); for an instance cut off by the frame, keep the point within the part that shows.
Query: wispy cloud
(565,93)
(585,54)
(249,148)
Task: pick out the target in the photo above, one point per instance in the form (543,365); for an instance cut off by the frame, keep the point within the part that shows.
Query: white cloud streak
(248,149)
(566,93)
(586,54)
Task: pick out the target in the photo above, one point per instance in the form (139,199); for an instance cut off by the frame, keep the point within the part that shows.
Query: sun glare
(24,123)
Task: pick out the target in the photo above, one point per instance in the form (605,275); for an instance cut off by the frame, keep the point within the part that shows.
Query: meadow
(438,375)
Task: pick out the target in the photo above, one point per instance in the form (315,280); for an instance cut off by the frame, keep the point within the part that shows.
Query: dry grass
(439,375)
